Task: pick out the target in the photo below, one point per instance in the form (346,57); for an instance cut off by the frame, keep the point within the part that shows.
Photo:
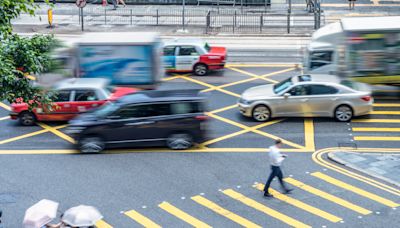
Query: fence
(210,20)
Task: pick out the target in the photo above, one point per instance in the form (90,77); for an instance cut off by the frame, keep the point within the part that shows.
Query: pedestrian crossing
(383,124)
(244,206)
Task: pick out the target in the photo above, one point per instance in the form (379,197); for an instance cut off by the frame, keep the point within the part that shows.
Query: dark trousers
(275,172)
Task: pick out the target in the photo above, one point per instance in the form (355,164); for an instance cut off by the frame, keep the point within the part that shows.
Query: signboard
(121,64)
(80,3)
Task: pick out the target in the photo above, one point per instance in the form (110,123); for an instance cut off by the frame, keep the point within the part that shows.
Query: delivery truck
(132,59)
(366,49)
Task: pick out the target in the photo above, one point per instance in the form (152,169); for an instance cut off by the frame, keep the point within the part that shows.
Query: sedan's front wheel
(179,141)
(261,113)
(91,144)
(343,113)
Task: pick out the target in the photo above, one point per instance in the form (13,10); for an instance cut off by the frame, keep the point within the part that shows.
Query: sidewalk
(379,165)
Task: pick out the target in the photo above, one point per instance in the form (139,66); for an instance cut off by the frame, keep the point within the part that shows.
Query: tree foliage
(22,56)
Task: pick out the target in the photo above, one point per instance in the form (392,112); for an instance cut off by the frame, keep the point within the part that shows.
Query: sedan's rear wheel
(180,141)
(27,118)
(343,113)
(91,144)
(200,69)
(261,113)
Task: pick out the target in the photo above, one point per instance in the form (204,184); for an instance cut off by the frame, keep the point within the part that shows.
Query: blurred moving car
(74,96)
(307,96)
(193,55)
(148,118)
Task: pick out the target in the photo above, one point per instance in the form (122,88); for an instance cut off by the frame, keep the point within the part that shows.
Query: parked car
(173,118)
(74,96)
(307,96)
(193,55)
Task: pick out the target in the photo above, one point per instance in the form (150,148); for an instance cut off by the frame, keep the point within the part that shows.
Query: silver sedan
(307,96)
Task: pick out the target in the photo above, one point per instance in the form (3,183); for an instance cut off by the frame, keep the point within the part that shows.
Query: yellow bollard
(50,18)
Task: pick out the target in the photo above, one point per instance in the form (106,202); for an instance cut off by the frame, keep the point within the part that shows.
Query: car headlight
(244,101)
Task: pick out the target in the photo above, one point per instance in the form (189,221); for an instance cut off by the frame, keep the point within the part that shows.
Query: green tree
(22,56)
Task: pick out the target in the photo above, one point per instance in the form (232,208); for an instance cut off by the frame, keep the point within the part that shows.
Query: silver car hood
(259,91)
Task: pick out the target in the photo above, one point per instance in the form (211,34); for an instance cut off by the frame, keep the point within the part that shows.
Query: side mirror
(286,95)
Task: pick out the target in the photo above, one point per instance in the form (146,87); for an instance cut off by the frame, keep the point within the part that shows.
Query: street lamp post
(183,15)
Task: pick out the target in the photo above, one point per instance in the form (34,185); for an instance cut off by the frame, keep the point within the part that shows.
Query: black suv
(173,118)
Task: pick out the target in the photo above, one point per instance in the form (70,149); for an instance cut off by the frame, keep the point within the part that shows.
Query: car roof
(162,96)
(76,83)
(95,38)
(385,23)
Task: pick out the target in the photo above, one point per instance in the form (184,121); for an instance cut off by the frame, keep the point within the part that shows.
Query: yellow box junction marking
(209,86)
(354,189)
(222,211)
(29,135)
(377,129)
(183,215)
(6,107)
(327,196)
(141,219)
(386,105)
(58,133)
(255,131)
(385,113)
(301,205)
(255,76)
(4,118)
(376,138)
(376,121)
(240,132)
(102,224)
(267,210)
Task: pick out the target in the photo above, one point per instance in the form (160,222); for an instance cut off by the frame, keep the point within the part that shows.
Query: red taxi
(74,96)
(193,55)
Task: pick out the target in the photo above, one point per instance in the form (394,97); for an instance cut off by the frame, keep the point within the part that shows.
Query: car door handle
(139,123)
(304,100)
(335,98)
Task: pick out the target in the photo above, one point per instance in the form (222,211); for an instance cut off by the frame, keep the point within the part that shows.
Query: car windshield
(281,86)
(106,109)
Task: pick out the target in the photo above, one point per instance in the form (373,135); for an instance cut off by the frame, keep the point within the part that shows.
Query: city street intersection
(216,183)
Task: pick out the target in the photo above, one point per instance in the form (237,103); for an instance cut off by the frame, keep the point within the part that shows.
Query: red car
(193,55)
(75,96)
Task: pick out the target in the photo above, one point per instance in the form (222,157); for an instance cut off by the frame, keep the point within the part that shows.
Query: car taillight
(203,117)
(366,98)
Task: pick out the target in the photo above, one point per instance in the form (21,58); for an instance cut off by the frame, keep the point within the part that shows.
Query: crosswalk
(233,204)
(383,124)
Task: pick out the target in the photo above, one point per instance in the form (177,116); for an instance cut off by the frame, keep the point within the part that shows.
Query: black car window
(322,90)
(132,111)
(85,95)
(320,58)
(186,107)
(159,109)
(169,51)
(62,96)
(300,90)
(187,50)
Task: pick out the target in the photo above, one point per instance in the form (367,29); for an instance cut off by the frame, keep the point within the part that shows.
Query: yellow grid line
(6,107)
(4,118)
(255,76)
(57,132)
(29,135)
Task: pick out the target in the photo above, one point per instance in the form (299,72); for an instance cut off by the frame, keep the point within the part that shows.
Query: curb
(331,156)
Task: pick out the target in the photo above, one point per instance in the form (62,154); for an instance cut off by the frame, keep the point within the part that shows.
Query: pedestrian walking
(351,4)
(122,2)
(115,4)
(276,159)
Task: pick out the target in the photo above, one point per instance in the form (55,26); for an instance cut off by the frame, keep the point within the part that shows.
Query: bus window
(320,58)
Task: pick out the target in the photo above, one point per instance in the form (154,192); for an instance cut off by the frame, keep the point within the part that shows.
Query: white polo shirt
(275,156)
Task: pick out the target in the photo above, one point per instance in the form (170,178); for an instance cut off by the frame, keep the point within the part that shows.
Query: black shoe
(288,191)
(266,194)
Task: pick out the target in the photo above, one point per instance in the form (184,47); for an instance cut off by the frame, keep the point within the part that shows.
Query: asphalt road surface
(217,183)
